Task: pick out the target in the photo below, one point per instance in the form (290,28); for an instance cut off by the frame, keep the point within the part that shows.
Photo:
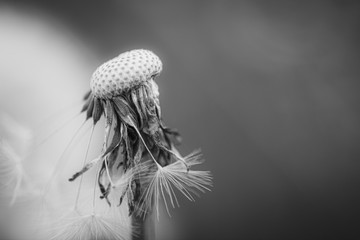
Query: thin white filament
(81,177)
(44,140)
(107,135)
(54,172)
(147,149)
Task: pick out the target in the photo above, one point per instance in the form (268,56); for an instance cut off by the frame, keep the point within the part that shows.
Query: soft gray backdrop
(269,90)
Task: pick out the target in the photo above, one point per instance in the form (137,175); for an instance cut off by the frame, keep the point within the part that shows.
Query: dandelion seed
(164,181)
(89,226)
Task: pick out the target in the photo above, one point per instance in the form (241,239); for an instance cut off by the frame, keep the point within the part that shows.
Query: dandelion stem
(145,227)
(144,224)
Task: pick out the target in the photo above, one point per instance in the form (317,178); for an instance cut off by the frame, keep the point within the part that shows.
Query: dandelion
(123,90)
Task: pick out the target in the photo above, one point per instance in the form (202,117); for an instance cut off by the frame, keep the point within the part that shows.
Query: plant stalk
(144,228)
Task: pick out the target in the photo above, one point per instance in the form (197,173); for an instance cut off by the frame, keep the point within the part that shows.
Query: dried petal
(97,111)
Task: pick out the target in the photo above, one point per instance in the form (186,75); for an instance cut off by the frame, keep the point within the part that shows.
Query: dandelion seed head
(124,72)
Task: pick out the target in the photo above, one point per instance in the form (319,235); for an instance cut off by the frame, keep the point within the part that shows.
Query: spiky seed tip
(123,72)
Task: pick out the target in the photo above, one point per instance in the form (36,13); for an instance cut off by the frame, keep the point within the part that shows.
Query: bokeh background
(269,90)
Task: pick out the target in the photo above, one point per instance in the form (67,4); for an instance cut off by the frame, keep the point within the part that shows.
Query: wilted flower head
(124,91)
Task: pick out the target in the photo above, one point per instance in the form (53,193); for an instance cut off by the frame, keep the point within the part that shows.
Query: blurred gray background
(269,90)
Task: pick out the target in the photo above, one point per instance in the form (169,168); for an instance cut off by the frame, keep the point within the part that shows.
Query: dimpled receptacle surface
(123,72)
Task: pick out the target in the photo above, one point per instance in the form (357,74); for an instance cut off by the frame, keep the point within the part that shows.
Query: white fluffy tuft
(89,226)
(165,181)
